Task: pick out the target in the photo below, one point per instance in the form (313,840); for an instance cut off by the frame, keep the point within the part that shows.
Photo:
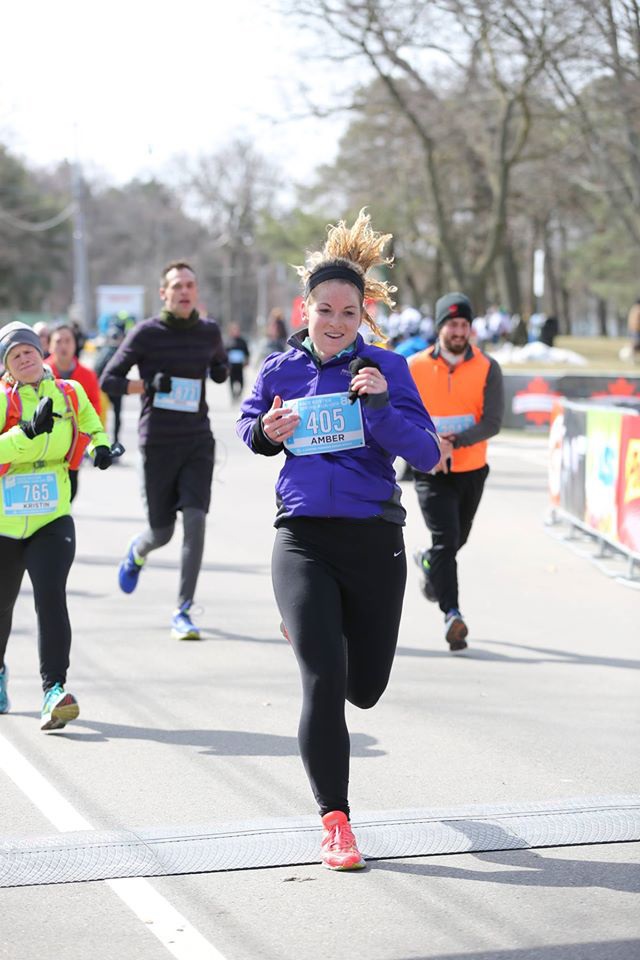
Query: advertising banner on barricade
(601,470)
(556,438)
(574,461)
(594,469)
(531,398)
(629,484)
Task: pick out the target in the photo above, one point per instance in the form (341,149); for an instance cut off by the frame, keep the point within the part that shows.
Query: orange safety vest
(454,397)
(79,441)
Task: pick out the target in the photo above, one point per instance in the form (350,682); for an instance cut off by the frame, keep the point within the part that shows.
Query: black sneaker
(455,631)
(426,587)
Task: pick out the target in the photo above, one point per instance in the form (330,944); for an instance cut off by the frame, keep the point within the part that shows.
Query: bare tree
(471,116)
(599,85)
(230,192)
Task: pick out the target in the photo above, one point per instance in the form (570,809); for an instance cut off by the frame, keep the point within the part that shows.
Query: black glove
(41,421)
(159,383)
(219,372)
(355,367)
(102,458)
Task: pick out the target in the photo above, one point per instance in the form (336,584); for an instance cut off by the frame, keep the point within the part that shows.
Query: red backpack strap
(79,441)
(13,413)
(14,405)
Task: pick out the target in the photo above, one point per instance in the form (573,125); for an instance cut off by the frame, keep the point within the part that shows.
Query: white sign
(111,300)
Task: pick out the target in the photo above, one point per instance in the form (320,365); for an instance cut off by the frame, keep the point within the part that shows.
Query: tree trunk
(602,317)
(511,279)
(551,298)
(565,313)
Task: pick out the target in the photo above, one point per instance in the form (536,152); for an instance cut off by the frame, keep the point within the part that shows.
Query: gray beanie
(453,305)
(14,333)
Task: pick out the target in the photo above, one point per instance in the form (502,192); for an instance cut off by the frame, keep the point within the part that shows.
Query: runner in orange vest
(462,389)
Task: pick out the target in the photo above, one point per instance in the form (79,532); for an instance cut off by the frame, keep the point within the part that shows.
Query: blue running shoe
(129,570)
(455,631)
(4,696)
(182,627)
(58,709)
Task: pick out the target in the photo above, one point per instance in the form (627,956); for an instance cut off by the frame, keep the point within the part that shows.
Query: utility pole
(81,307)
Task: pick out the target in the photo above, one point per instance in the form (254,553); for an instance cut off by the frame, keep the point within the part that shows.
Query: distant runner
(463,389)
(175,352)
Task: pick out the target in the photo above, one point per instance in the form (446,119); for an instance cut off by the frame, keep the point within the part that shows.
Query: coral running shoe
(58,709)
(338,848)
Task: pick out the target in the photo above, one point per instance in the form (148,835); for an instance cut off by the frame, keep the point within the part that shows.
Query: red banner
(628,492)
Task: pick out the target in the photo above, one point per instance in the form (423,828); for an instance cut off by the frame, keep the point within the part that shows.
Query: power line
(43,225)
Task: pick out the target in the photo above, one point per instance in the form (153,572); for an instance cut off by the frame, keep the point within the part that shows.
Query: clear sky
(126,86)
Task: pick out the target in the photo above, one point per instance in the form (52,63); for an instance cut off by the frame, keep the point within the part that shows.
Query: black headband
(336,272)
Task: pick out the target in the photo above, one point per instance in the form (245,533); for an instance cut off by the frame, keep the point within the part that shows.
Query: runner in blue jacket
(341,411)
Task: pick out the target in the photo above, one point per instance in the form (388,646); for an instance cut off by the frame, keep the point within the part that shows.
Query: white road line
(173,931)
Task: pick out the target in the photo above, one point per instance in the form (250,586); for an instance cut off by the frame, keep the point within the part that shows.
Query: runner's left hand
(369,381)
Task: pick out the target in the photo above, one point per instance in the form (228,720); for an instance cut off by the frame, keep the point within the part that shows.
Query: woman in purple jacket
(340,411)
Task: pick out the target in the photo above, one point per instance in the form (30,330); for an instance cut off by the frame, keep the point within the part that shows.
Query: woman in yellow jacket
(45,424)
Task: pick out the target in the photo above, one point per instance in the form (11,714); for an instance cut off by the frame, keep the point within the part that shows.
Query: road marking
(173,931)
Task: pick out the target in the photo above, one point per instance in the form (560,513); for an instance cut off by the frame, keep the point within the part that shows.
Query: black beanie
(453,305)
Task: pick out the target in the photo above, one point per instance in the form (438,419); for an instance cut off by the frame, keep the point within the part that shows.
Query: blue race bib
(183,397)
(454,424)
(30,494)
(236,356)
(327,423)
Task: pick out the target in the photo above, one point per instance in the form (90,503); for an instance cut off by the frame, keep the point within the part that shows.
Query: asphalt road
(544,706)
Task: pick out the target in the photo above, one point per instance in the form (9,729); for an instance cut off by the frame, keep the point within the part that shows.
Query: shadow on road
(530,869)
(596,950)
(104,561)
(545,655)
(216,743)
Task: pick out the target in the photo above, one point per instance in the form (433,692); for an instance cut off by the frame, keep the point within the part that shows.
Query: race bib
(236,356)
(454,424)
(327,423)
(30,494)
(184,396)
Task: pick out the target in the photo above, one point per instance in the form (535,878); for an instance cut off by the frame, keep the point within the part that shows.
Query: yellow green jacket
(38,467)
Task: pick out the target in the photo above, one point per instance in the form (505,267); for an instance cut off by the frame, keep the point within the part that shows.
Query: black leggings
(339,585)
(116,405)
(47,557)
(448,502)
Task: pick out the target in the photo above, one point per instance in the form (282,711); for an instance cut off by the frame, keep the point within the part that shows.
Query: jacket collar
(297,339)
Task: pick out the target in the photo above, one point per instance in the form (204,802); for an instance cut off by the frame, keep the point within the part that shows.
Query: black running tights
(339,585)
(47,557)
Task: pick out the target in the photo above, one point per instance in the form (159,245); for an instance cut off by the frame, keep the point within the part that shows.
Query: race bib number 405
(30,494)
(183,397)
(327,423)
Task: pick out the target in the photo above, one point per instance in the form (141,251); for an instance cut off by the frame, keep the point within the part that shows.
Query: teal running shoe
(58,709)
(4,696)
(129,570)
(182,627)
